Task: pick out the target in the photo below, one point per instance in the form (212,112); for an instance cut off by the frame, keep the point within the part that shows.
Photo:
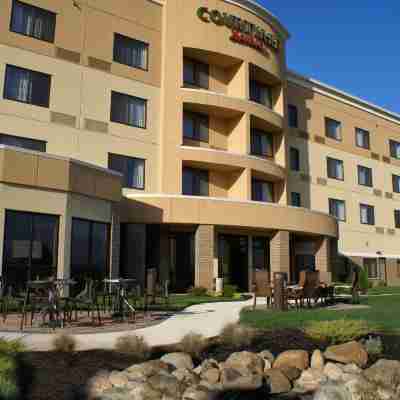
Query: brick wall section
(204,244)
(115,239)
(280,253)
(323,261)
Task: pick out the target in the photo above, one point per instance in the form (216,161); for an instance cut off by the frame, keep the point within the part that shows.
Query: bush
(135,346)
(237,336)
(198,291)
(336,332)
(229,290)
(364,281)
(193,344)
(64,343)
(373,346)
(8,377)
(381,284)
(11,346)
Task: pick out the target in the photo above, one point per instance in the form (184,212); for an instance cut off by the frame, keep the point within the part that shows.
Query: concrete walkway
(207,319)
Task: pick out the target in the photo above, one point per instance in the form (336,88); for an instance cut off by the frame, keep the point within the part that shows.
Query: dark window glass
(128,110)
(293,116)
(333,129)
(90,243)
(262,191)
(362,138)
(133,170)
(397,219)
(30,144)
(194,182)
(394,149)
(30,247)
(195,126)
(294,159)
(261,93)
(337,208)
(33,21)
(364,176)
(261,143)
(131,52)
(195,73)
(396,183)
(367,214)
(261,254)
(296,199)
(371,266)
(335,169)
(27,86)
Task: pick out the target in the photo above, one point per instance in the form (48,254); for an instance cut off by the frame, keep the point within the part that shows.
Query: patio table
(122,299)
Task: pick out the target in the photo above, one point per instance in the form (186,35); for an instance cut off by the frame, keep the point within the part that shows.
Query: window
(364,176)
(128,110)
(333,129)
(293,116)
(262,191)
(133,170)
(337,208)
(30,247)
(33,21)
(371,266)
(296,199)
(27,86)
(294,159)
(194,182)
(396,183)
(261,143)
(30,144)
(260,93)
(394,149)
(367,214)
(131,52)
(195,73)
(362,138)
(195,126)
(261,254)
(90,244)
(397,219)
(335,169)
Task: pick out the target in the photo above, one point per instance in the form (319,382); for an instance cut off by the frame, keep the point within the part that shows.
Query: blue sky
(353,45)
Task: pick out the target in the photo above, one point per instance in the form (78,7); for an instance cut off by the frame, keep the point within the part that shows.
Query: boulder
(385,373)
(348,353)
(293,358)
(292,373)
(98,384)
(233,379)
(332,391)
(245,360)
(168,385)
(146,369)
(351,369)
(310,381)
(266,355)
(317,360)
(178,360)
(277,381)
(118,379)
(211,375)
(333,372)
(360,389)
(199,392)
(144,391)
(186,376)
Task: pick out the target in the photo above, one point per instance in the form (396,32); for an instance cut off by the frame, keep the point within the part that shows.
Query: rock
(293,358)
(333,372)
(266,355)
(149,368)
(232,379)
(360,389)
(267,365)
(168,385)
(310,381)
(385,373)
(278,382)
(118,379)
(178,360)
(98,384)
(211,375)
(317,360)
(292,373)
(144,391)
(351,369)
(121,394)
(199,392)
(332,392)
(186,376)
(352,352)
(245,360)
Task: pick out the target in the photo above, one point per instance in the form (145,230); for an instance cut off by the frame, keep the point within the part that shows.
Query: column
(280,253)
(250,263)
(115,242)
(323,261)
(205,253)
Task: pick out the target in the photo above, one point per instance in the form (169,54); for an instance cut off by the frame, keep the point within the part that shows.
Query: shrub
(11,346)
(336,332)
(193,344)
(237,336)
(381,284)
(373,346)
(135,346)
(198,291)
(64,343)
(8,377)
(229,290)
(364,281)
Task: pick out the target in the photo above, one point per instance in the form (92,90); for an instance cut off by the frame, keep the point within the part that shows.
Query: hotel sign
(243,32)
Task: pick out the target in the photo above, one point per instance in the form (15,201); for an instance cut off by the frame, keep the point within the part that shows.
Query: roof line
(343,96)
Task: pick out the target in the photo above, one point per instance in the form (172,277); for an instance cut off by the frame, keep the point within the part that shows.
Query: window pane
(362,138)
(261,93)
(131,52)
(397,218)
(294,159)
(261,143)
(396,183)
(333,129)
(337,208)
(394,149)
(293,117)
(367,214)
(99,248)
(133,170)
(195,182)
(262,191)
(195,126)
(364,176)
(30,144)
(335,168)
(188,72)
(296,199)
(261,258)
(128,110)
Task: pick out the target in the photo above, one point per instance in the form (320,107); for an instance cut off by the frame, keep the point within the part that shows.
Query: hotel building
(170,134)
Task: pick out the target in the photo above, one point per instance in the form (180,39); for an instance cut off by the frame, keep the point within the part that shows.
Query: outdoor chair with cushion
(263,290)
